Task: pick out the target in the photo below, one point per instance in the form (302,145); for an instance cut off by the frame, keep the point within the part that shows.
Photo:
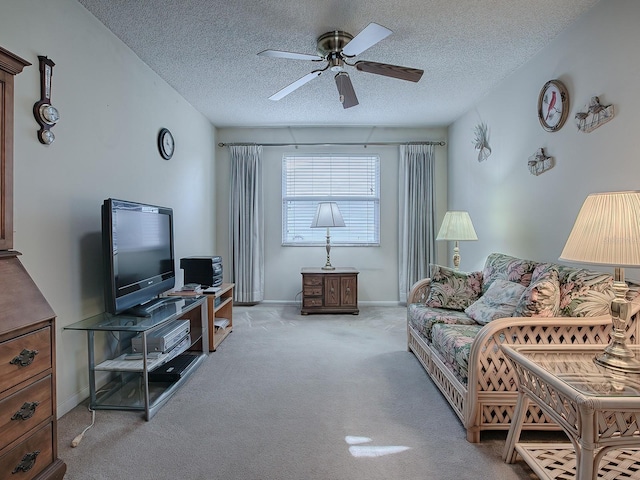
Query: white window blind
(353,182)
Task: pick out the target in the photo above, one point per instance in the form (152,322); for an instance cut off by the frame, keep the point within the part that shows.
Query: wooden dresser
(329,291)
(28,422)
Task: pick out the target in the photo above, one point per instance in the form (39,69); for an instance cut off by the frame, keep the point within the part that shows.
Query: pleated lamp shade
(607,231)
(457,225)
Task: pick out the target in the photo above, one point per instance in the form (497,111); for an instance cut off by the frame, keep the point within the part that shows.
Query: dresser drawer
(24,410)
(312,302)
(24,356)
(312,291)
(312,280)
(28,458)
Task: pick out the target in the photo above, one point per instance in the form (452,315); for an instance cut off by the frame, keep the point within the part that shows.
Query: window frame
(343,200)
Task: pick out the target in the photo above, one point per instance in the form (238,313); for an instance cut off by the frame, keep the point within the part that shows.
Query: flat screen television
(138,256)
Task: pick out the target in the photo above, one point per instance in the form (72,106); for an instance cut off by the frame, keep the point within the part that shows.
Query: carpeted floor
(286,396)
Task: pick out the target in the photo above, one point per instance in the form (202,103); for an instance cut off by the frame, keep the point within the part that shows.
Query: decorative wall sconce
(46,114)
(593,115)
(481,141)
(539,162)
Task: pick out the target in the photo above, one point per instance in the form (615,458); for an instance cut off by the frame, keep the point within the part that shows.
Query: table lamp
(456,226)
(327,216)
(607,232)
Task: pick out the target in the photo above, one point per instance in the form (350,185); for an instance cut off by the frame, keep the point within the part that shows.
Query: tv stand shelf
(126,382)
(219,306)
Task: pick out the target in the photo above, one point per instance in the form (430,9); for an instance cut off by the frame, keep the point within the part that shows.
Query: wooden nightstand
(329,291)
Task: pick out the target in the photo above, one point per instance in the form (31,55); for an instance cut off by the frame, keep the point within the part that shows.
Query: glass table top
(574,365)
(108,322)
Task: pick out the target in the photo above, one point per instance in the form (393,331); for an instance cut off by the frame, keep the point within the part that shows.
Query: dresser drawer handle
(25,358)
(26,411)
(27,463)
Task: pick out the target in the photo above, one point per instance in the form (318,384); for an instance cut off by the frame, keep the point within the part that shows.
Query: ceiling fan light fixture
(337,64)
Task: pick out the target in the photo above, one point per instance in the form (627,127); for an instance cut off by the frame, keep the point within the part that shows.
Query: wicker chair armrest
(419,291)
(489,371)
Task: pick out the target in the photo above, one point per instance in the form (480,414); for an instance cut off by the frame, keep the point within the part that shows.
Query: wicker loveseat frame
(488,400)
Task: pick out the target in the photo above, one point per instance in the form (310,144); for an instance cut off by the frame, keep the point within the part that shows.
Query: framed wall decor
(553,105)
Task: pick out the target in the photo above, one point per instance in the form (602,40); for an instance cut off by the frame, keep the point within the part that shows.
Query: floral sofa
(457,321)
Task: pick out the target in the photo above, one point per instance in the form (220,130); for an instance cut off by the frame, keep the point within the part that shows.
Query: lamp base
(328,267)
(622,361)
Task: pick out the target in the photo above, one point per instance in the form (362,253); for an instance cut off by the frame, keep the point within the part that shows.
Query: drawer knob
(25,358)
(26,411)
(27,462)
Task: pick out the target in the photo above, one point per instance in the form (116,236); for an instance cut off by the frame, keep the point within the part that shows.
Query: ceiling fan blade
(395,71)
(290,55)
(345,90)
(366,39)
(295,85)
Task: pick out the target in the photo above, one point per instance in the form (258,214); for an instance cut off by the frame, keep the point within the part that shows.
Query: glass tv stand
(124,375)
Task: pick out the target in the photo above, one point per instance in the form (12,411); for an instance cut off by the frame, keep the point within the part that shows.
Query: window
(352,181)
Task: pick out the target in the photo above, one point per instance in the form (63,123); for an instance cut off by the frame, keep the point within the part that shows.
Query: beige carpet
(286,396)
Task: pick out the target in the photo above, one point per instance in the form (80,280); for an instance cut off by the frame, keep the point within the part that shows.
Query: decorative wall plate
(553,105)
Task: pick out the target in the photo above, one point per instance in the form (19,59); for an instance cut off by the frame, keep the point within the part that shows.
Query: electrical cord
(76,441)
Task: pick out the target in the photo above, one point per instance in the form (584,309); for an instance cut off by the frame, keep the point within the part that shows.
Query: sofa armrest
(490,372)
(419,291)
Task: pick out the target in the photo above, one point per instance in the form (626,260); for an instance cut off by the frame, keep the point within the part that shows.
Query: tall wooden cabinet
(28,420)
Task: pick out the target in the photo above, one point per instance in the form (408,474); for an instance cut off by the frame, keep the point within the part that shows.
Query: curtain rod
(364,144)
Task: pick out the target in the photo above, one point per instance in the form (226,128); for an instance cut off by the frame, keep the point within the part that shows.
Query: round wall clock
(553,105)
(166,145)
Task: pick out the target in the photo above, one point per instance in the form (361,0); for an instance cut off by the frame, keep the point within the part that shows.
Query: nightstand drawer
(312,280)
(312,302)
(312,291)
(24,410)
(23,357)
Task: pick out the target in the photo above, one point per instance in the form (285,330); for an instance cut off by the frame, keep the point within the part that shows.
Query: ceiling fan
(338,48)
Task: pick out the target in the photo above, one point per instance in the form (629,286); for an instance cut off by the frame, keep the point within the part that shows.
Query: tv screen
(137,244)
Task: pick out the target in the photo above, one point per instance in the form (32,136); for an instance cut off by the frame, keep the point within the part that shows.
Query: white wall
(112,107)
(378,266)
(516,212)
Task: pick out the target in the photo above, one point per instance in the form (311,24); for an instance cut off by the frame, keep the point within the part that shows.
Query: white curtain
(246,223)
(416,216)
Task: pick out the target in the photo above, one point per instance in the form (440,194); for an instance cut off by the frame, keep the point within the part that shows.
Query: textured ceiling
(207,50)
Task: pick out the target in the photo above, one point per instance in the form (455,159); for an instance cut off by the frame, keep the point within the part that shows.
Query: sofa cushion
(505,267)
(423,318)
(584,293)
(453,344)
(542,297)
(453,289)
(499,301)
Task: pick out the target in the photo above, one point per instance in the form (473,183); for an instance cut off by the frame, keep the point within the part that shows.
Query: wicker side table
(597,408)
